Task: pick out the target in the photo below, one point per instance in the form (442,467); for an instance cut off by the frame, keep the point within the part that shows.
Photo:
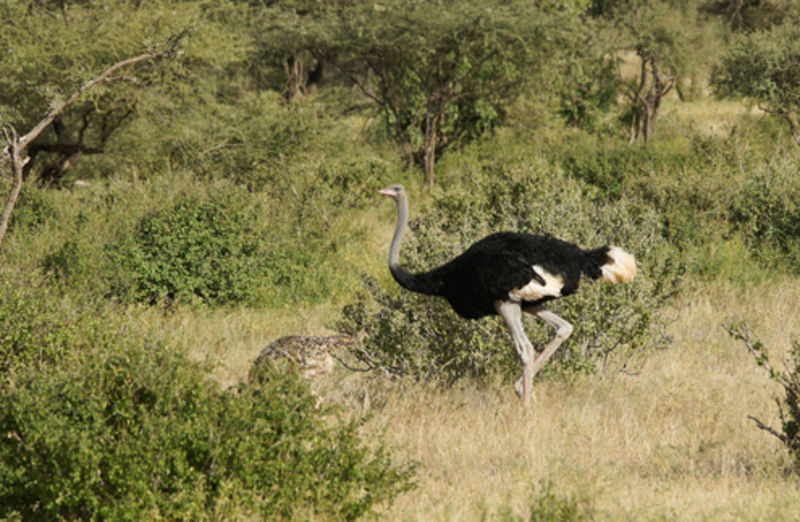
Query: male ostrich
(508,273)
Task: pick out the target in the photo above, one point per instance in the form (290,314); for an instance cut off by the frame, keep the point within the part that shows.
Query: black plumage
(497,264)
(508,272)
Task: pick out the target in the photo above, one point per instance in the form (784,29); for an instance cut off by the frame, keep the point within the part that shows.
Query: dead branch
(743,334)
(103,77)
(769,429)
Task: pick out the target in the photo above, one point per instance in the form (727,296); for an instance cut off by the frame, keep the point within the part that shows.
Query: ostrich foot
(518,387)
(522,393)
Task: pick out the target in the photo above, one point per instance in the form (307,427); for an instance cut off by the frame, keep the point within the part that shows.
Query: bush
(38,326)
(411,334)
(102,422)
(143,433)
(551,506)
(763,66)
(33,209)
(213,250)
(767,211)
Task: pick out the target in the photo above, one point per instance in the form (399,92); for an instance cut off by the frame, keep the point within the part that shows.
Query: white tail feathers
(620,269)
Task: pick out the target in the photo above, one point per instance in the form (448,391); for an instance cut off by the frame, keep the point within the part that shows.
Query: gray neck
(423,283)
(402,224)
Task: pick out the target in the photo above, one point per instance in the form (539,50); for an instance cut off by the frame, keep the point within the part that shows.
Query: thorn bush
(789,380)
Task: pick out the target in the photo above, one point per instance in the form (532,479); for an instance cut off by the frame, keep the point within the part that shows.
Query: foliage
(252,140)
(661,34)
(103,421)
(753,15)
(33,210)
(294,42)
(440,73)
(406,333)
(789,380)
(591,84)
(767,210)
(40,327)
(213,251)
(55,51)
(764,66)
(550,506)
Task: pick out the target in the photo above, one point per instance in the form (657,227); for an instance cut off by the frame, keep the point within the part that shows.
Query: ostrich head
(396,191)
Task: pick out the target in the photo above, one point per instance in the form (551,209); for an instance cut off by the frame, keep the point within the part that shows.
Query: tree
(753,15)
(440,73)
(53,48)
(15,150)
(292,41)
(764,66)
(661,35)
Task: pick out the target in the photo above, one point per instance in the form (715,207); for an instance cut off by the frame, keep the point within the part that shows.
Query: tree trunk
(794,126)
(431,132)
(17,164)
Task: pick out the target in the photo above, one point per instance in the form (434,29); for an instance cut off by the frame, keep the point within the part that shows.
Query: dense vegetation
(237,172)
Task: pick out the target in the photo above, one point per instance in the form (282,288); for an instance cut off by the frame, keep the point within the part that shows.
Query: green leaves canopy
(765,66)
(440,73)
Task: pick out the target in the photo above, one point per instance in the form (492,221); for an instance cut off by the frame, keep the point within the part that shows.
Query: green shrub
(767,210)
(141,432)
(213,250)
(614,167)
(407,333)
(33,209)
(38,326)
(551,506)
(102,421)
(548,505)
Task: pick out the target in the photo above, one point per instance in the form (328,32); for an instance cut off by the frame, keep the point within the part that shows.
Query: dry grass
(232,339)
(671,443)
(709,116)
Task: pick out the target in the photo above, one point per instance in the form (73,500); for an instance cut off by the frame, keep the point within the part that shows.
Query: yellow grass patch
(673,442)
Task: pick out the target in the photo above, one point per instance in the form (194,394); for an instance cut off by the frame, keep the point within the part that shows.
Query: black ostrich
(508,273)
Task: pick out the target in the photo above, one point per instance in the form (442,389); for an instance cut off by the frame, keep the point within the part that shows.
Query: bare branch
(743,334)
(105,76)
(783,438)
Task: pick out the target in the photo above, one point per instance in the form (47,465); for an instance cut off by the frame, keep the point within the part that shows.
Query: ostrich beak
(386,192)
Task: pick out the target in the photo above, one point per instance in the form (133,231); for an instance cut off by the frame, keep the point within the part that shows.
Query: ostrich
(311,356)
(508,273)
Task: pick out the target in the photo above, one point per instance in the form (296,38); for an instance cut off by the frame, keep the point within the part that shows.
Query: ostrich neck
(424,283)
(399,232)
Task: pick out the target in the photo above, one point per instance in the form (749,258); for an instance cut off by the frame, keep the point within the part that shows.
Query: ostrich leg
(563,331)
(512,315)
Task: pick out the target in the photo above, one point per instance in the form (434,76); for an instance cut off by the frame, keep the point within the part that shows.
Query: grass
(672,443)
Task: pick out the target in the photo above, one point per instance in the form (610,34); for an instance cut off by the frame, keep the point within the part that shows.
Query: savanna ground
(668,440)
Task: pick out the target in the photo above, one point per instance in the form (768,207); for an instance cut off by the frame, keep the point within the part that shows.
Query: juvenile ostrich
(311,356)
(508,273)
